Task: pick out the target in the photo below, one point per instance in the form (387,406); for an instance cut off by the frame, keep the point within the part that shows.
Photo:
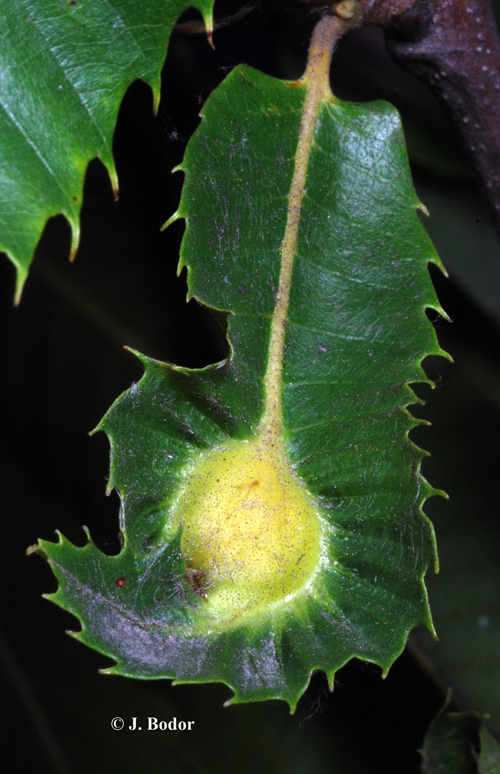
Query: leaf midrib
(316,79)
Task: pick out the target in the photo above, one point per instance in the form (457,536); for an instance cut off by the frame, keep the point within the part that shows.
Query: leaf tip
(143,358)
(440,265)
(87,533)
(441,312)
(208,18)
(113,178)
(443,353)
(176,216)
(421,206)
(331,681)
(75,239)
(156,100)
(293,706)
(20,280)
(98,427)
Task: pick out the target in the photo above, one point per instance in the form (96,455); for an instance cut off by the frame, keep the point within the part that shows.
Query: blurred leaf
(451,744)
(489,762)
(458,743)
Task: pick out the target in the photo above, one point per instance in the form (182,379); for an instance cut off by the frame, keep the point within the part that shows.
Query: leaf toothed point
(272,503)
(65,114)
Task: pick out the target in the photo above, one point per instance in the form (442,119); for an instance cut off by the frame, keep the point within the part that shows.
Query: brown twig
(453,46)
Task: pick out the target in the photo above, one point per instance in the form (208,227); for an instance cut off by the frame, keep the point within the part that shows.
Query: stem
(316,79)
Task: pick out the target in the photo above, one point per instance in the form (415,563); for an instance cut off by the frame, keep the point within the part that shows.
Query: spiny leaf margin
(151,627)
(65,69)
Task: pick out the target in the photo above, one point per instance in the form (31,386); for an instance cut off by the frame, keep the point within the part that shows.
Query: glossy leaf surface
(355,335)
(65,68)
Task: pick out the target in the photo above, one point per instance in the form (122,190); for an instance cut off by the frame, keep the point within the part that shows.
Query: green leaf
(312,254)
(458,743)
(489,762)
(451,744)
(65,68)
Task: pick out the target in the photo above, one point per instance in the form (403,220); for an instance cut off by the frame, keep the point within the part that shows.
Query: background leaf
(489,762)
(451,745)
(65,69)
(459,743)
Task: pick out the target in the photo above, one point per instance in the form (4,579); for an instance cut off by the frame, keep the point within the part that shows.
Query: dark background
(63,364)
